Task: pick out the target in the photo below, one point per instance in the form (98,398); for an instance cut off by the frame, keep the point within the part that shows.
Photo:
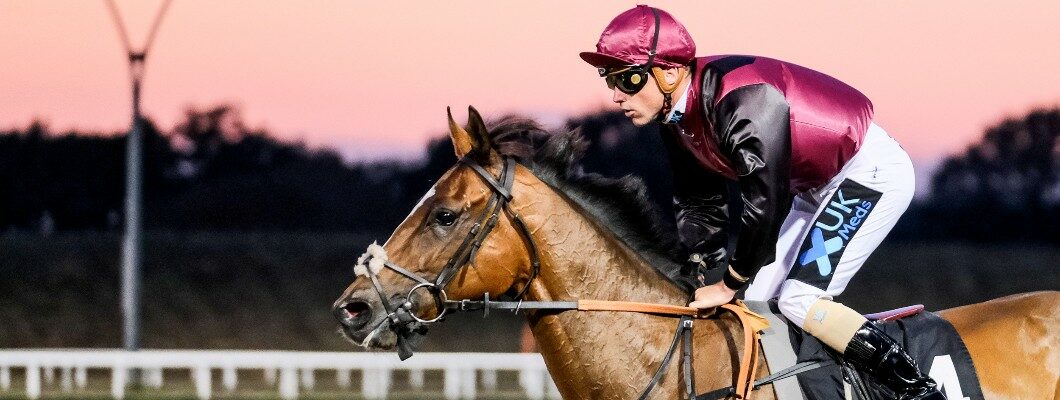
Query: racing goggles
(628,79)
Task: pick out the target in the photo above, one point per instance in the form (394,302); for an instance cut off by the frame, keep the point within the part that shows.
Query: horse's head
(461,241)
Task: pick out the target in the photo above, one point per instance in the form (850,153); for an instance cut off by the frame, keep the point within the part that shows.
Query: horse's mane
(620,204)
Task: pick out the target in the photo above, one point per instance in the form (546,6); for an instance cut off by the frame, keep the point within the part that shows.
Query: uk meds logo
(843,214)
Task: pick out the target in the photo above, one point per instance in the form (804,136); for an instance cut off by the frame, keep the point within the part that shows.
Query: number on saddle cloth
(931,340)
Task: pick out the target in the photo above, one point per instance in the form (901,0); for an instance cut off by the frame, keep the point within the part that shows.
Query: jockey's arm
(702,212)
(702,222)
(752,124)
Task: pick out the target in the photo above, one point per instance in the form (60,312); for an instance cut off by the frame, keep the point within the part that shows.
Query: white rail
(296,370)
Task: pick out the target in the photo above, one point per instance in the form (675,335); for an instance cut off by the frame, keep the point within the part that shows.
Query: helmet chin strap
(667,89)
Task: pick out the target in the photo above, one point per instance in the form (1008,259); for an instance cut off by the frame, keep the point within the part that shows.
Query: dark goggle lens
(629,80)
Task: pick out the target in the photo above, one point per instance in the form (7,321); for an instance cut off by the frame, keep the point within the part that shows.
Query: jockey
(815,176)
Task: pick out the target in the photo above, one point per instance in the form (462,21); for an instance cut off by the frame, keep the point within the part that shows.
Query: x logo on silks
(842,216)
(820,251)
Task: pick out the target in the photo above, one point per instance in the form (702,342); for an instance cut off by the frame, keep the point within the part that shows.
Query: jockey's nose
(353,313)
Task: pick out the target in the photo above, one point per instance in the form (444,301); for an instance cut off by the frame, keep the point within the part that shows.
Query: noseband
(402,318)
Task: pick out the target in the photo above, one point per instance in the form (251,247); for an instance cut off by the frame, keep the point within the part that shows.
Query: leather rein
(410,328)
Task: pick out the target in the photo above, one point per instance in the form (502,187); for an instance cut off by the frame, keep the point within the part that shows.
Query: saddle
(931,340)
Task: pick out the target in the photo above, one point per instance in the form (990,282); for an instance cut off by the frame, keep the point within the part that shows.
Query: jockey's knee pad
(833,323)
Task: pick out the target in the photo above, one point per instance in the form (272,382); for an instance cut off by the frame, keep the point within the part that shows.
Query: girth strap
(686,359)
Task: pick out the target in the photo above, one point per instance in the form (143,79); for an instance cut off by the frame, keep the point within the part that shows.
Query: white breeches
(831,230)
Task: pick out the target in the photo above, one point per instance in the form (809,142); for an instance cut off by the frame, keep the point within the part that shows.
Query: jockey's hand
(712,296)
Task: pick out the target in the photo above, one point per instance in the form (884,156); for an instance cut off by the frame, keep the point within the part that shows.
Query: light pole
(130,265)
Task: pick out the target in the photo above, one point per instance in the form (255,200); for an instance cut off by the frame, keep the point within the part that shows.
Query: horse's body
(612,355)
(1015,344)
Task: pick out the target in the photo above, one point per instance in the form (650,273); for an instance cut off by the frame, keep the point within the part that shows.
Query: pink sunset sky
(372,79)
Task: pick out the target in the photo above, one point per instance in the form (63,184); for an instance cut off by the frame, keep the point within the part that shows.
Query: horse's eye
(444,217)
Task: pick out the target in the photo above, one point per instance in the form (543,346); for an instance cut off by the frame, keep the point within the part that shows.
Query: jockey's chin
(640,117)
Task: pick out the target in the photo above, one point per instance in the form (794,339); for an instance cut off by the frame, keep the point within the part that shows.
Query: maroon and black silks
(777,129)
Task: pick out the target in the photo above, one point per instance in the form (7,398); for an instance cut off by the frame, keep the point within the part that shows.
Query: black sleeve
(701,207)
(753,128)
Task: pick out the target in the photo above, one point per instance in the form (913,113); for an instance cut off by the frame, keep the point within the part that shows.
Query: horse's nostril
(355,314)
(355,309)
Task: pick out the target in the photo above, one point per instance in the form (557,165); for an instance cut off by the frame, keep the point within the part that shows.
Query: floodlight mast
(132,239)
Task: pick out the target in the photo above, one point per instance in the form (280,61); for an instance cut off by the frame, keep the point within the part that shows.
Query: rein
(410,328)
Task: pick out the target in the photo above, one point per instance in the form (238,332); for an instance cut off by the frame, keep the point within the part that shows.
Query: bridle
(402,318)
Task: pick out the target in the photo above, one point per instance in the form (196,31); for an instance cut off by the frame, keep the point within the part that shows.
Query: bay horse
(568,235)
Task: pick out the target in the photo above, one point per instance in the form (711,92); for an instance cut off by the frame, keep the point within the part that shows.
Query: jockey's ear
(473,141)
(669,78)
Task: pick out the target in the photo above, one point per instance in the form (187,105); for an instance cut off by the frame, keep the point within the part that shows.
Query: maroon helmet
(631,37)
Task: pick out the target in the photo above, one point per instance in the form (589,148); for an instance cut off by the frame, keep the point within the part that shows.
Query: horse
(563,234)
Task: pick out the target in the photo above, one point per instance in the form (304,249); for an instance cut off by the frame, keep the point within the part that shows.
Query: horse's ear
(462,141)
(474,141)
(477,127)
(484,152)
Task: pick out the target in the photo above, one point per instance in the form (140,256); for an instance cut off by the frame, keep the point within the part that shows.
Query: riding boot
(873,351)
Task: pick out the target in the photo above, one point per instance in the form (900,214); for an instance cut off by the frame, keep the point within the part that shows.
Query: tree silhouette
(1005,187)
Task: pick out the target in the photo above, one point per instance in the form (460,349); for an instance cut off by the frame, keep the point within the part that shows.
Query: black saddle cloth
(931,341)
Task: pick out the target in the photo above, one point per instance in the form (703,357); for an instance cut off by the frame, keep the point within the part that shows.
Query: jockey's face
(643,107)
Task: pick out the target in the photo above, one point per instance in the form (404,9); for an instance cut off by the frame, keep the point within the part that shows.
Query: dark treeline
(211,172)
(1003,188)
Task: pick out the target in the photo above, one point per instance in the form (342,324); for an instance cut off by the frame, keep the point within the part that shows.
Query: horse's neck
(582,260)
(599,354)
